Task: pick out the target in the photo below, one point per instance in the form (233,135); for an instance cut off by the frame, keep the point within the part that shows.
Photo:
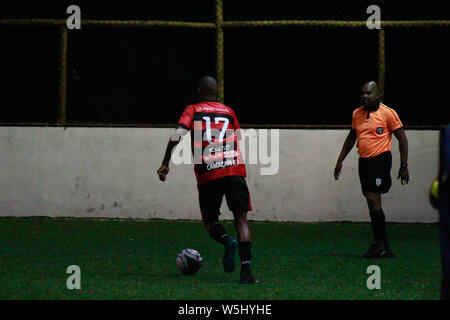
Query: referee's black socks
(218,233)
(379,226)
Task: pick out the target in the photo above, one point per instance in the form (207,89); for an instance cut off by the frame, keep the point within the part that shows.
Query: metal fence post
(381,62)
(62,92)
(219,49)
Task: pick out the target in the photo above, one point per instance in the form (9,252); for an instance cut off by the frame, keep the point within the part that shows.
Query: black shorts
(375,173)
(211,193)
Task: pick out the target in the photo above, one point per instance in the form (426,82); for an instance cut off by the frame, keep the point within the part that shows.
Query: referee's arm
(403,173)
(348,145)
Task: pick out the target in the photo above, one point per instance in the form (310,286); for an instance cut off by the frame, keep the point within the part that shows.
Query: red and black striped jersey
(214,141)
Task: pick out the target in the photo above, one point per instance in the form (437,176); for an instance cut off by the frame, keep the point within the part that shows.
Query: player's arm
(174,140)
(403,173)
(346,148)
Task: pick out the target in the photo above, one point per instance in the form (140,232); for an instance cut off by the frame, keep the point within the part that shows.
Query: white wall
(110,172)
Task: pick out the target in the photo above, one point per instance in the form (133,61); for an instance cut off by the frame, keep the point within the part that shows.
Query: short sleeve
(393,120)
(353,120)
(187,118)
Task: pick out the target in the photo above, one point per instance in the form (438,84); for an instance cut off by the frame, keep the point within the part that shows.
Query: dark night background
(276,75)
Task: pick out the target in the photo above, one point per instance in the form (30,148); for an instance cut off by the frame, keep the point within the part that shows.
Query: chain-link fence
(135,75)
(278,63)
(348,10)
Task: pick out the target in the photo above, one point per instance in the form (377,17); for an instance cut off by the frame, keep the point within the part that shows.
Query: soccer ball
(433,194)
(189,261)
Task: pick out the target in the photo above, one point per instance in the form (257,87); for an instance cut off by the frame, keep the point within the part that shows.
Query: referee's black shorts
(211,193)
(375,173)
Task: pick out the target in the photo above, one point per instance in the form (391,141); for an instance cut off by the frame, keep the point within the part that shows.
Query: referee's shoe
(379,250)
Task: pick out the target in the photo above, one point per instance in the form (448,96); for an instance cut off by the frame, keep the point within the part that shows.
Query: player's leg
(241,225)
(444,211)
(238,200)
(210,199)
(444,235)
(216,231)
(245,245)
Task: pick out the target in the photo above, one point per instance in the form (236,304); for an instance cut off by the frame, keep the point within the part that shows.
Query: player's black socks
(379,225)
(218,233)
(245,254)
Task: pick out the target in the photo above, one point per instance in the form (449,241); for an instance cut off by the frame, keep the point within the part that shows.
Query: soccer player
(219,170)
(444,211)
(372,126)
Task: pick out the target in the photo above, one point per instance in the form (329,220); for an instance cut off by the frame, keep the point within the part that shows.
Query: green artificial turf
(136,260)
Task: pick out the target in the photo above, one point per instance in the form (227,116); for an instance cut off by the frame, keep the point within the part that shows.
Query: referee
(372,126)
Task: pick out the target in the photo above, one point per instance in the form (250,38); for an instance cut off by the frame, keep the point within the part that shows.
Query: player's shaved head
(207,88)
(370,94)
(372,86)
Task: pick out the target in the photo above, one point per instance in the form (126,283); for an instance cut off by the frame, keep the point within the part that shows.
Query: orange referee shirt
(374,134)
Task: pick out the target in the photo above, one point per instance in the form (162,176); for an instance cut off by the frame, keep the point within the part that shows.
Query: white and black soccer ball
(189,261)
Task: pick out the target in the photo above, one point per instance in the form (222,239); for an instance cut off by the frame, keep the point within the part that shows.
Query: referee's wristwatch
(404,165)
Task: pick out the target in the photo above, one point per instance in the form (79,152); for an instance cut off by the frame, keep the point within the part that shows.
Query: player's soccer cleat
(228,257)
(247,277)
(377,250)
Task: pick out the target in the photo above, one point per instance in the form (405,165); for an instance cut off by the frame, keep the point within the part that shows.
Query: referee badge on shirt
(380,130)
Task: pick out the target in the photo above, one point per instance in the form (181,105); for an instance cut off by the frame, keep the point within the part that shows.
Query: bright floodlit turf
(136,260)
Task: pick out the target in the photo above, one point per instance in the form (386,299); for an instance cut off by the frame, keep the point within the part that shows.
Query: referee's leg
(380,247)
(377,216)
(373,201)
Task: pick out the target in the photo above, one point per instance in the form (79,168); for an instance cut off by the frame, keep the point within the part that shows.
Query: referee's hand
(403,175)
(337,170)
(162,172)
